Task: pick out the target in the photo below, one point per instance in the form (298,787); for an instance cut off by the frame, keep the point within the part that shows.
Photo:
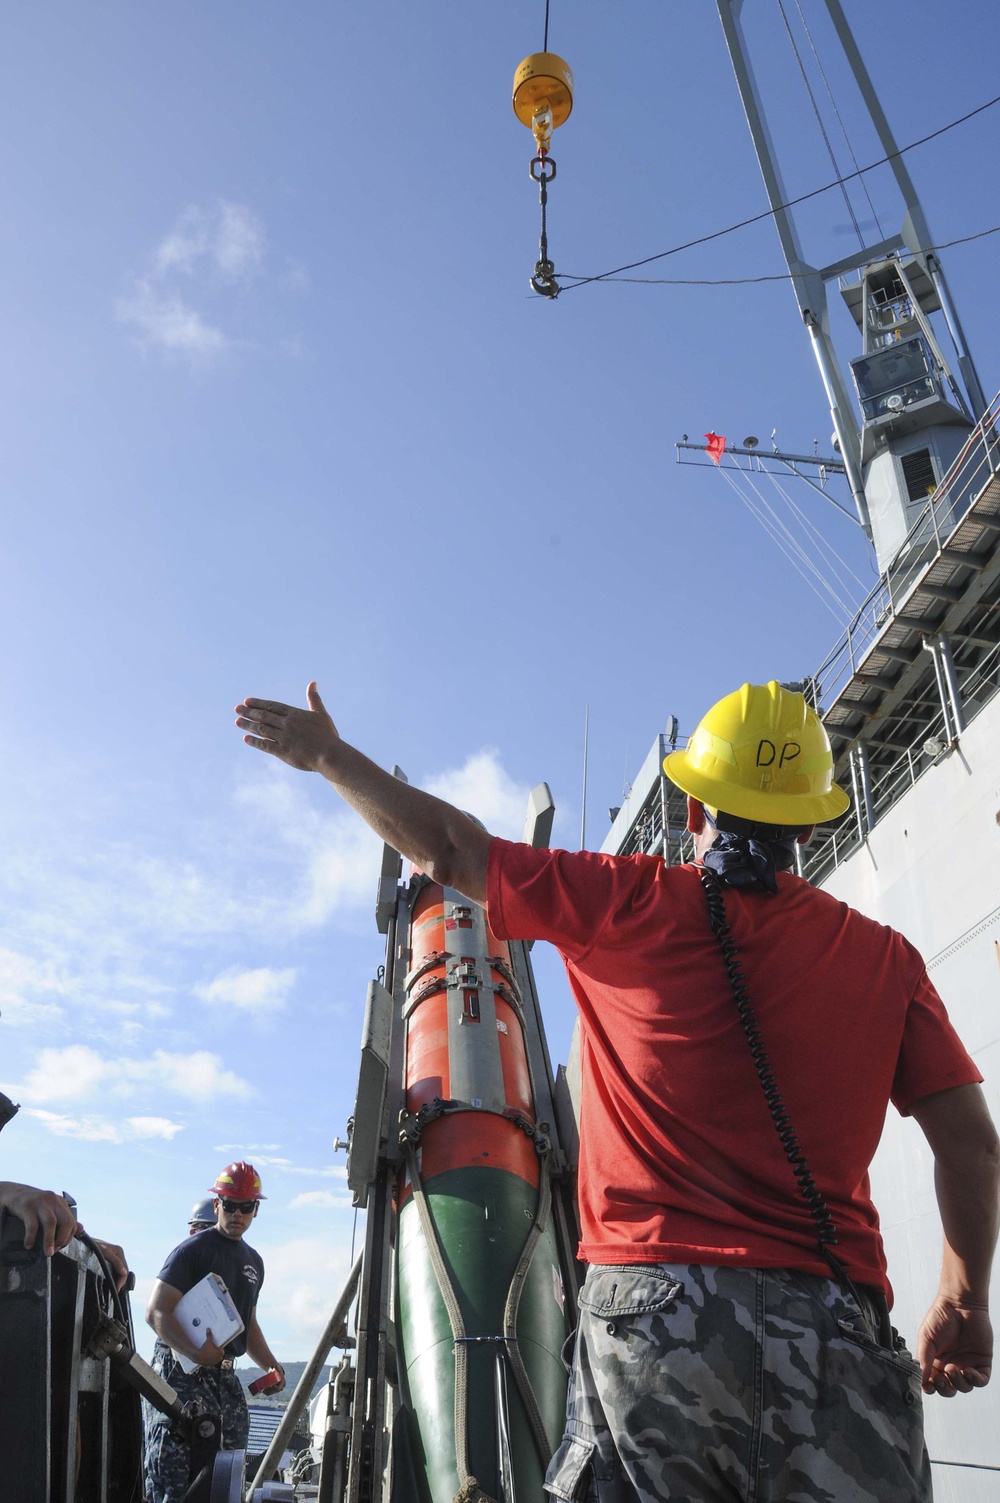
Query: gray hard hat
(202,1214)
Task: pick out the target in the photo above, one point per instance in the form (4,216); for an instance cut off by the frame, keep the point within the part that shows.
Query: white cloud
(27,990)
(260,990)
(187,243)
(335,855)
(482,787)
(244,1148)
(154,1127)
(207,250)
(321,1200)
(228,237)
(77,1072)
(94,1129)
(238,241)
(267,1161)
(164,319)
(305,1278)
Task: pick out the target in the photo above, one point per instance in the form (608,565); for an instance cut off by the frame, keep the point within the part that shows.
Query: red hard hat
(239,1181)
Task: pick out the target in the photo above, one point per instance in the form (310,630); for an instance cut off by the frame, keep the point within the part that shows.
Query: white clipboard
(207,1306)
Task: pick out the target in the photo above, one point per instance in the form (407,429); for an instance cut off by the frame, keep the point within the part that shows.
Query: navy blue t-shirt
(238,1266)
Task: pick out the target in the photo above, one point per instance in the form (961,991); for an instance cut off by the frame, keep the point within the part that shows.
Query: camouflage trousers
(735,1385)
(207,1390)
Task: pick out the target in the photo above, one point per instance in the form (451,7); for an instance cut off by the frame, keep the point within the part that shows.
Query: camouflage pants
(206,1390)
(735,1385)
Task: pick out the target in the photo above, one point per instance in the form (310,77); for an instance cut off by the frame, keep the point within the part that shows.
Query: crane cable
(843,128)
(822,128)
(543,100)
(791,203)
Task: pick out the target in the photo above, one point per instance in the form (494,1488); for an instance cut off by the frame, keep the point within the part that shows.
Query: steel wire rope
(776,276)
(790,204)
(844,601)
(820,538)
(792,553)
(830,558)
(778,529)
(822,128)
(843,128)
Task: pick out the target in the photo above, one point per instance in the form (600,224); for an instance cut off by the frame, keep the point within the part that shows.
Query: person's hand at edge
(45,1214)
(955,1348)
(115,1259)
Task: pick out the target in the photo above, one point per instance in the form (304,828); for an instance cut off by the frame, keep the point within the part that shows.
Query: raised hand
(305,739)
(955,1348)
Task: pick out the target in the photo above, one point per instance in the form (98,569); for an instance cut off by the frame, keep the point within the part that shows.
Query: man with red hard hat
(213,1385)
(742,1035)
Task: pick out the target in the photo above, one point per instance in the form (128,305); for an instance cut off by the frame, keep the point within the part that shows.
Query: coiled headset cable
(826,1231)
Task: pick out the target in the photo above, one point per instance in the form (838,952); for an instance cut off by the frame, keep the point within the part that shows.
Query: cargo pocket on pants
(570,1472)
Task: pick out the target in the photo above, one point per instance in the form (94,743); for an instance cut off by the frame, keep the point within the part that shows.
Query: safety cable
(822,128)
(769,213)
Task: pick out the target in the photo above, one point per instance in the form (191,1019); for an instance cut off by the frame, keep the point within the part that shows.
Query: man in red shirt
(734,1339)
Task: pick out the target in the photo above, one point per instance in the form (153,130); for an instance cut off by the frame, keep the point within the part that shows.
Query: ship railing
(971,472)
(831,845)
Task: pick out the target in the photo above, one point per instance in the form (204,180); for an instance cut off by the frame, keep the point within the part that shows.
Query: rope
(511,1347)
(545,43)
(469,1488)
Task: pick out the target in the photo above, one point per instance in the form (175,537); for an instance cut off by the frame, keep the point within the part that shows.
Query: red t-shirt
(679,1158)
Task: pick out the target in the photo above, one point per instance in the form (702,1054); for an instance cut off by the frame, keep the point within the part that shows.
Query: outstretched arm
(445,843)
(955,1342)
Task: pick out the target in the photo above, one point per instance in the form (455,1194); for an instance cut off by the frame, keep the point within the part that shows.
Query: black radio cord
(826,1231)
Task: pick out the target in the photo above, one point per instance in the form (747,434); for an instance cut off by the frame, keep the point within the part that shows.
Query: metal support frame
(955,702)
(933,646)
(809,282)
(864,784)
(70,1380)
(368,1446)
(335,1334)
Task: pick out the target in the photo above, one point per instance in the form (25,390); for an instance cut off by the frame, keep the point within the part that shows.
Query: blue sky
(277,404)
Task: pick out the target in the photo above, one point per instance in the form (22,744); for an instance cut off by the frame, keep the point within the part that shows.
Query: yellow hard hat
(761,754)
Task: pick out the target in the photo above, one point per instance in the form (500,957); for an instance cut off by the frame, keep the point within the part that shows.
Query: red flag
(716,446)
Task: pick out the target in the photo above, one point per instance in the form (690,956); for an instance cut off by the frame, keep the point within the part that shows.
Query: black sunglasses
(229,1206)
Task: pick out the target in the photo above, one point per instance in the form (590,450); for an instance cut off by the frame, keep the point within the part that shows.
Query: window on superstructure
(918,473)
